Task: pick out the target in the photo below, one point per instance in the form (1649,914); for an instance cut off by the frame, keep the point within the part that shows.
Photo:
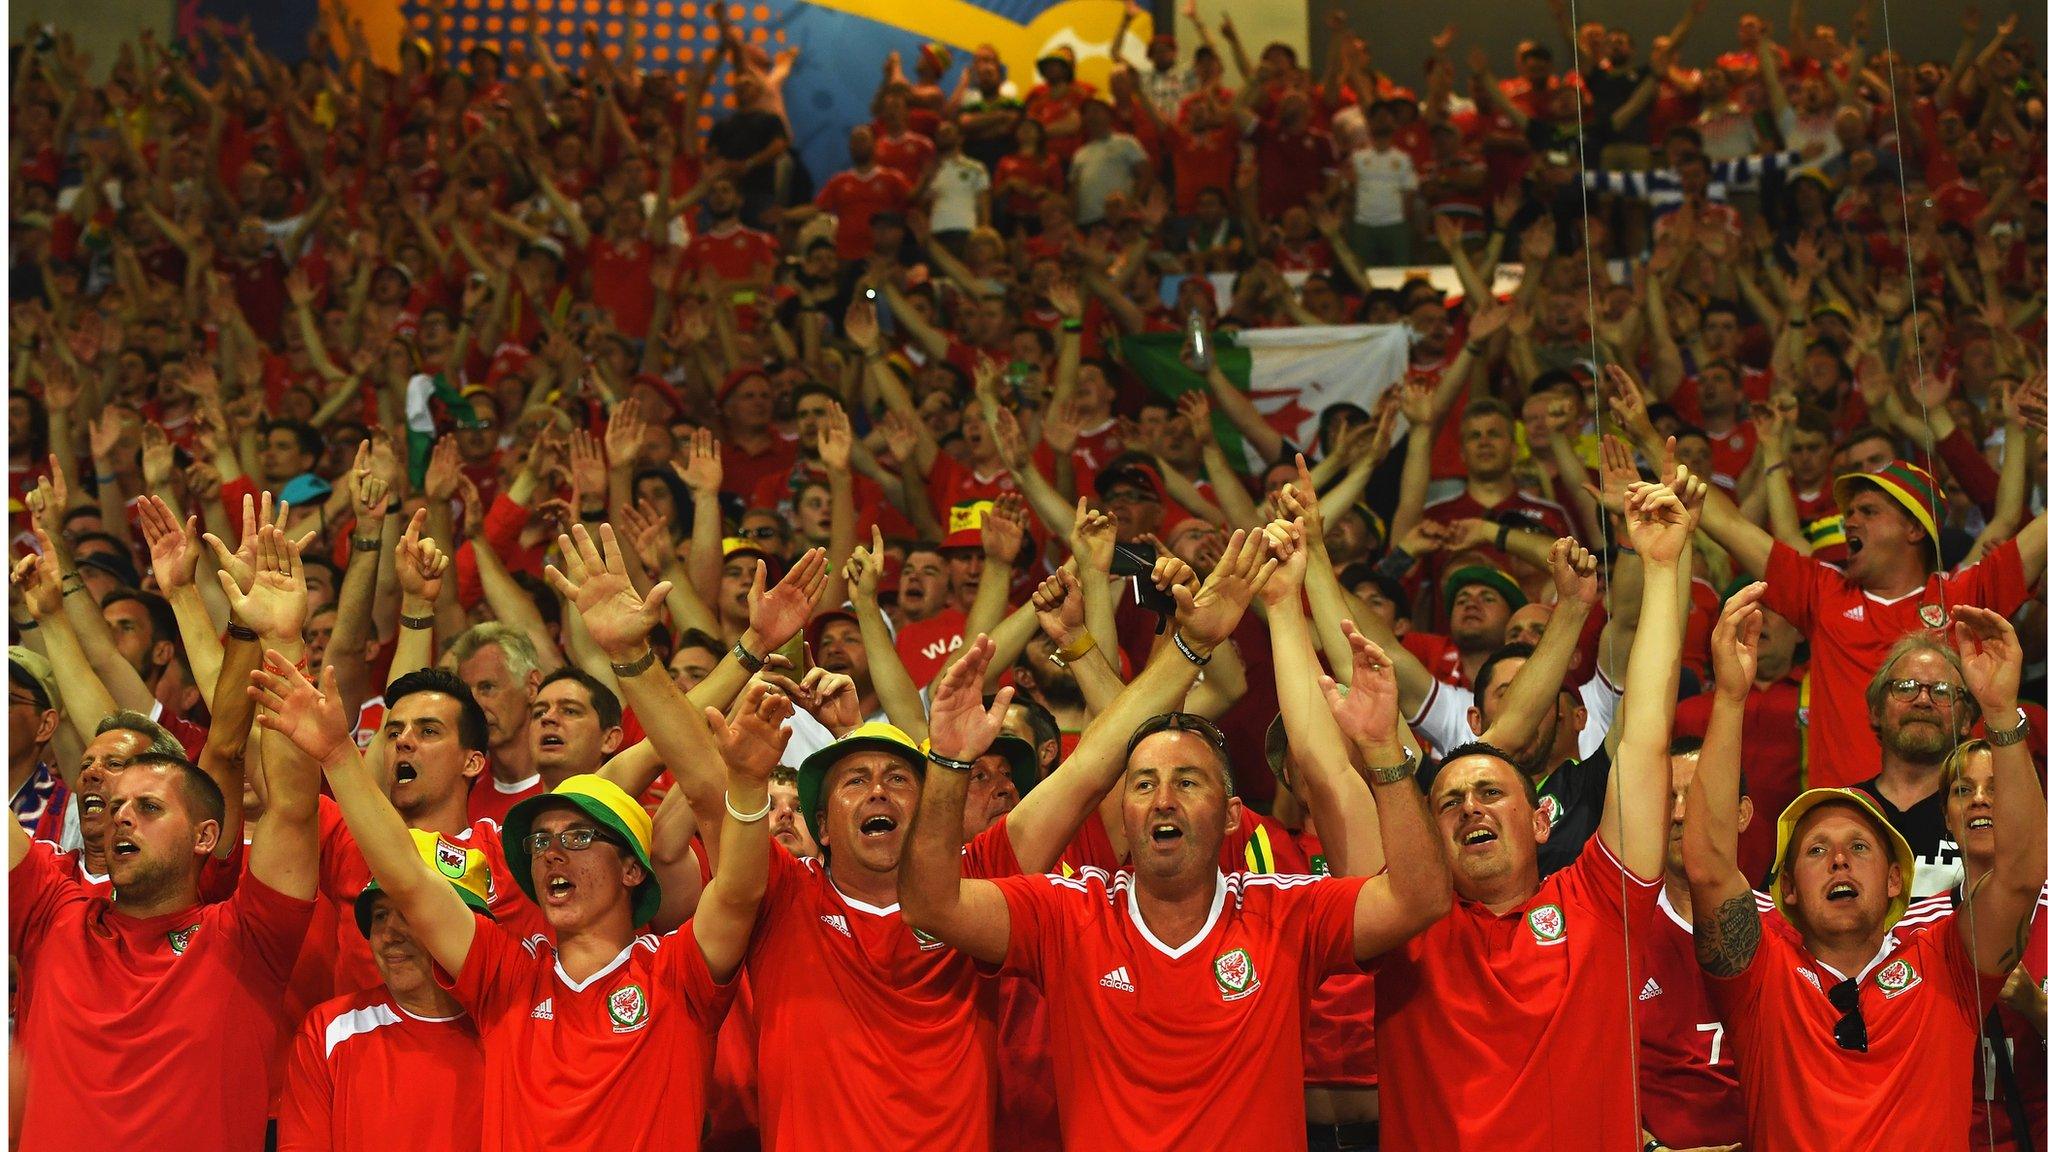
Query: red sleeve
(39,895)
(1794,590)
(991,854)
(1998,581)
(683,967)
(270,926)
(1034,919)
(305,1114)
(1325,919)
(1596,881)
(481,984)
(1978,478)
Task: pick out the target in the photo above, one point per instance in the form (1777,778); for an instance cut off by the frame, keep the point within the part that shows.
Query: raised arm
(971,915)
(750,744)
(2002,904)
(316,740)
(1726,926)
(1046,820)
(1635,823)
(1533,692)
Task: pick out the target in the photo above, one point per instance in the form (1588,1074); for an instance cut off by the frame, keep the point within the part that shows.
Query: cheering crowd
(538,621)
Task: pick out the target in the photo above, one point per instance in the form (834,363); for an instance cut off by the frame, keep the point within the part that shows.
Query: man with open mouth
(1542,960)
(1875,1021)
(1893,583)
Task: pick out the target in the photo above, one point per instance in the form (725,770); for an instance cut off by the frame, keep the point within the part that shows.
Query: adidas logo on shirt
(545,1010)
(1651,990)
(1118,979)
(837,924)
(1855,613)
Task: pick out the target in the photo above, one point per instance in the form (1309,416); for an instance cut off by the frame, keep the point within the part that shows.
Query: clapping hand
(961,727)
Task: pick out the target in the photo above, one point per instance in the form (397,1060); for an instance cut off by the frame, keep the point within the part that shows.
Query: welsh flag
(1291,374)
(432,406)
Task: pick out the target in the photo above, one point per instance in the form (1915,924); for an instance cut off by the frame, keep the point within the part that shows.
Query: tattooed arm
(1726,928)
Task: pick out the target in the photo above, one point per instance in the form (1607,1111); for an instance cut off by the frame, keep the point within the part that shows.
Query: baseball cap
(607,804)
(816,627)
(936,54)
(1062,54)
(464,868)
(963,524)
(27,664)
(1909,484)
(873,736)
(1127,472)
(1807,801)
(1021,756)
(1493,578)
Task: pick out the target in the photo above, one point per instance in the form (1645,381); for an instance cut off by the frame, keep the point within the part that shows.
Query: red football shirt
(1489,1022)
(490,799)
(923,645)
(365,1073)
(855,197)
(1919,1001)
(869,1035)
(1192,1046)
(620,282)
(151,1027)
(344,874)
(733,251)
(1849,632)
(620,1060)
(1772,740)
(1338,1049)
(1691,1097)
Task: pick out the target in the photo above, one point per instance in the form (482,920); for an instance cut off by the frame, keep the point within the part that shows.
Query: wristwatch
(2009,737)
(1398,772)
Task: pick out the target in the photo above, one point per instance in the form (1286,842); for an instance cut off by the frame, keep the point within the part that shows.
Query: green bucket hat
(464,868)
(873,736)
(613,810)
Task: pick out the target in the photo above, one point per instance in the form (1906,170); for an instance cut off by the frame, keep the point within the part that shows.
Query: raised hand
(587,471)
(861,327)
(1734,641)
(1093,537)
(1990,651)
(421,563)
(444,466)
(1369,714)
(1574,572)
(308,717)
(776,614)
(1009,438)
(1209,615)
(864,569)
(1287,541)
(651,534)
(1418,401)
(173,547)
(751,740)
(275,602)
(701,468)
(1061,426)
(1657,520)
(1002,529)
(626,434)
(835,440)
(159,457)
(961,728)
(37,581)
(1491,317)
(595,581)
(1194,408)
(1062,614)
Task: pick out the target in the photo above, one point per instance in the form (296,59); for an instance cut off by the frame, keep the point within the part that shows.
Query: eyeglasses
(765,532)
(1939,691)
(1129,496)
(475,426)
(1850,1033)
(571,840)
(1180,722)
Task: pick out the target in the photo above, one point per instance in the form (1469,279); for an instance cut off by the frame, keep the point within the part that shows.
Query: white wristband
(767,806)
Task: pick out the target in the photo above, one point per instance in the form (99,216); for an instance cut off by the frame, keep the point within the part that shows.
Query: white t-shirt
(1445,718)
(1381,179)
(1100,169)
(957,183)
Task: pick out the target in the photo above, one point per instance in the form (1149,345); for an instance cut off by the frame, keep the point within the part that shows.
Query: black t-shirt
(1575,796)
(1937,861)
(742,136)
(1611,88)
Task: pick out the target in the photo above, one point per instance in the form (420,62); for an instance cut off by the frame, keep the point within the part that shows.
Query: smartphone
(1133,560)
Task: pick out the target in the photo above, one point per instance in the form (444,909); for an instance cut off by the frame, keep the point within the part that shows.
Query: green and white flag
(423,396)
(1290,374)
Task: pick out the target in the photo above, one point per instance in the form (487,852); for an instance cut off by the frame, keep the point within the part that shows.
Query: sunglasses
(1939,691)
(763,533)
(1180,722)
(1850,1033)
